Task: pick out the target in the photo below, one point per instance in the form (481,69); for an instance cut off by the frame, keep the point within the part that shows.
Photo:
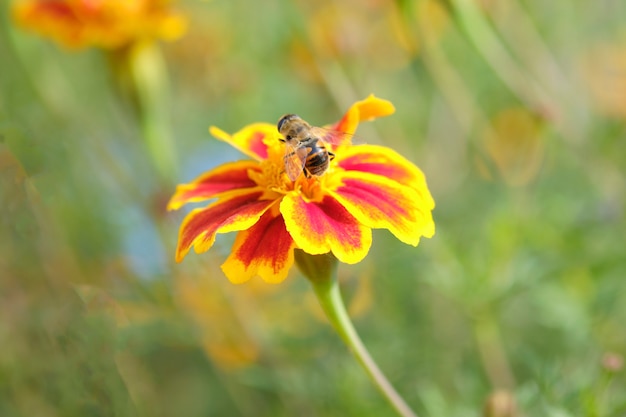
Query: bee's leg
(331,155)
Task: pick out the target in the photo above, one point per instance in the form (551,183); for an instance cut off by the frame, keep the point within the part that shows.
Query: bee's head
(284,122)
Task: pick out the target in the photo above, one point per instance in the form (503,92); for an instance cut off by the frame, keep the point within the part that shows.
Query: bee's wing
(295,158)
(333,137)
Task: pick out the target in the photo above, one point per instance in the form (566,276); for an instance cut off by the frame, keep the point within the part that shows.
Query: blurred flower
(108,24)
(126,31)
(224,337)
(357,30)
(513,143)
(365,187)
(612,362)
(500,403)
(433,20)
(606,75)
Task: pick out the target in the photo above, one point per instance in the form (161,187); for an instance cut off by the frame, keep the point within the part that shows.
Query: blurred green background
(514,110)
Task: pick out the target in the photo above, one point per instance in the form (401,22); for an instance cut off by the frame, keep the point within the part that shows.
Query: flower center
(276,182)
(310,188)
(272,176)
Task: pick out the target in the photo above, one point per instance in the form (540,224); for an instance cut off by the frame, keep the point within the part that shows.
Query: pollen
(272,176)
(310,188)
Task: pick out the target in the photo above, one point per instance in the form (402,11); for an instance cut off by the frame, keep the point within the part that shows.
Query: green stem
(142,72)
(329,297)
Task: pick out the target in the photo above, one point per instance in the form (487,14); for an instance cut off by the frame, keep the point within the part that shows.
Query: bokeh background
(514,110)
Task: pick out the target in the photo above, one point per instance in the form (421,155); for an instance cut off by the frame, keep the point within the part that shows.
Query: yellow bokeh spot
(513,142)
(605,70)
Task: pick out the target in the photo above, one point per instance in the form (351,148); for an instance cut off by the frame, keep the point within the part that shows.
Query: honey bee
(305,147)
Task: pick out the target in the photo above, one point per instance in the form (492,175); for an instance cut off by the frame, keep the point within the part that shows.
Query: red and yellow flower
(108,24)
(366,187)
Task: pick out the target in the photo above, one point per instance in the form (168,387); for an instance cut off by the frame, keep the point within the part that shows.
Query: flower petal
(252,140)
(379,202)
(265,249)
(105,24)
(323,226)
(363,111)
(55,19)
(227,177)
(235,213)
(387,163)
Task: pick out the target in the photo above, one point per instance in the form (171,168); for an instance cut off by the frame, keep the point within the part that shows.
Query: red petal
(325,226)
(386,163)
(201,225)
(379,202)
(265,249)
(227,177)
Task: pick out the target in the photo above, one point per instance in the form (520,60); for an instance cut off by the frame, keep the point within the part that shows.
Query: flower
(108,24)
(365,187)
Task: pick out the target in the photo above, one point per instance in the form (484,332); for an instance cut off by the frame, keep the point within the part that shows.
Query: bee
(305,147)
